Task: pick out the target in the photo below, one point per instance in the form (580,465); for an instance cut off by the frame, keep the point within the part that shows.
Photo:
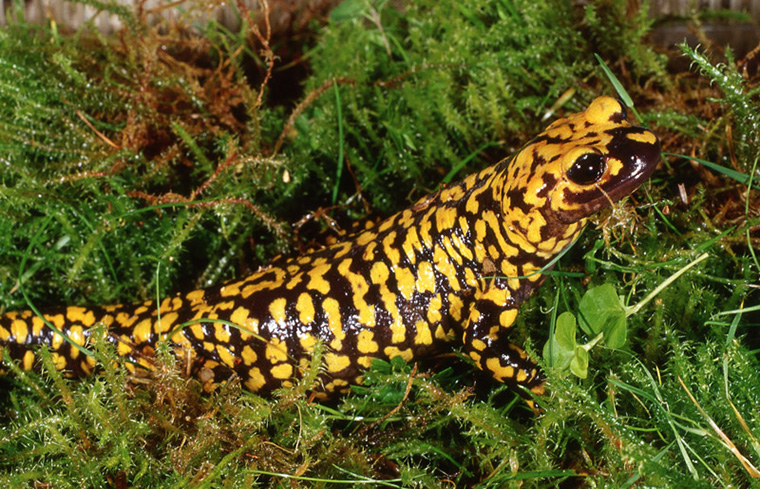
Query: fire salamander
(452,269)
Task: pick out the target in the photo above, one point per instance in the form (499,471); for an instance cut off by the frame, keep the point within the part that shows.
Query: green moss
(476,81)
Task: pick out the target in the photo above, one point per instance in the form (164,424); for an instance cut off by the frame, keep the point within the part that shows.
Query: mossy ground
(159,160)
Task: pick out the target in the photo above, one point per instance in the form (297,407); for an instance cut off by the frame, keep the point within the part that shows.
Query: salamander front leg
(486,341)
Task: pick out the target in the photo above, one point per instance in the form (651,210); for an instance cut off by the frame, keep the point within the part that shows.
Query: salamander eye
(587,169)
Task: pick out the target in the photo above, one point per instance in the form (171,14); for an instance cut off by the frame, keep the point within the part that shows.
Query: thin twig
(310,97)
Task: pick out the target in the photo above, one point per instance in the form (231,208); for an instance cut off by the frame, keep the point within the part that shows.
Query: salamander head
(578,166)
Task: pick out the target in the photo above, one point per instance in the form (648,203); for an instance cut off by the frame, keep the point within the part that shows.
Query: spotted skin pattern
(453,269)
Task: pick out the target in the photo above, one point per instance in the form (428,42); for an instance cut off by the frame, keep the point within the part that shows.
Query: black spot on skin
(620,115)
(550,181)
(536,161)
(517,200)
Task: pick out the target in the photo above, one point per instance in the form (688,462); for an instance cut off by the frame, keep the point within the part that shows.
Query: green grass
(142,170)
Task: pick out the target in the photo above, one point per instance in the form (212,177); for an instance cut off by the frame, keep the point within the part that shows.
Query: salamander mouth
(639,152)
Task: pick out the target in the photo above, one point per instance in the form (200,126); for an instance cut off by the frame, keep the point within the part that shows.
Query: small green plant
(602,316)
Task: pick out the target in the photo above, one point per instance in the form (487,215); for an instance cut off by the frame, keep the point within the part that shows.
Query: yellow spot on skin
(424,336)
(534,225)
(496,295)
(441,334)
(406,220)
(369,252)
(390,248)
(500,373)
(316,280)
(472,205)
(85,366)
(240,316)
(365,342)
(28,362)
(507,317)
(221,333)
(143,331)
(277,351)
(334,385)
(478,344)
(37,325)
(410,245)
(57,320)
(80,315)
(255,380)
(56,342)
(293,282)
(58,360)
(224,306)
(392,351)
(76,334)
(124,319)
(332,311)
(521,376)
(405,281)
(425,277)
(445,267)
(455,307)
(643,137)
(167,321)
(335,362)
(425,238)
(359,287)
(480,229)
(277,310)
(124,345)
(230,290)
(90,361)
(197,331)
(364,361)
(182,342)
(509,270)
(434,309)
(614,165)
(195,296)
(225,356)
(365,237)
(453,193)
(464,225)
(305,308)
(398,331)
(248,355)
(19,330)
(445,218)
(379,273)
(307,343)
(282,371)
(493,252)
(457,248)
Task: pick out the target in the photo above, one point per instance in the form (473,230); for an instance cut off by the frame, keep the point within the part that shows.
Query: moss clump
(472,85)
